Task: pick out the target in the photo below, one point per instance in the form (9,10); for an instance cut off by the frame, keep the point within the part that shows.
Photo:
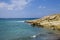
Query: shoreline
(51,22)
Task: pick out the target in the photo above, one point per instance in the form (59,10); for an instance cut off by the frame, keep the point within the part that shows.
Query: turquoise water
(19,30)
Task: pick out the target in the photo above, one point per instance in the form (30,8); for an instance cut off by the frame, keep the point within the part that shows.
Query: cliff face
(48,22)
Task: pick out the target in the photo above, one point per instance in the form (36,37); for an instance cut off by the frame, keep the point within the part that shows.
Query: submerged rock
(51,22)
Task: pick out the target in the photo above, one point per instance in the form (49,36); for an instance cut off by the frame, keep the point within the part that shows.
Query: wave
(14,21)
(20,21)
(34,36)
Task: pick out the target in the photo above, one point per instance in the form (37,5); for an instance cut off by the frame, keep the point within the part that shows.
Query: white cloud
(41,6)
(15,4)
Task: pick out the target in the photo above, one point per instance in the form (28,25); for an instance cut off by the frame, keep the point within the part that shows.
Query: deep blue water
(17,29)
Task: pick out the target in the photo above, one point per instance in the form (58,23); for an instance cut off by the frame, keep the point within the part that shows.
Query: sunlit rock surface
(51,22)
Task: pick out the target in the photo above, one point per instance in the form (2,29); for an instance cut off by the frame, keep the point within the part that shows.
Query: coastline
(51,22)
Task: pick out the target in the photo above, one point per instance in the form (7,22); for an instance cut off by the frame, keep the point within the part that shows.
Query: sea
(18,29)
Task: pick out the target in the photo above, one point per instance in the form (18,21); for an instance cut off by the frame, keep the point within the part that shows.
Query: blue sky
(28,8)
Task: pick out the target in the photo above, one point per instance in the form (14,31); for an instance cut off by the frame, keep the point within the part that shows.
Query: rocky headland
(51,22)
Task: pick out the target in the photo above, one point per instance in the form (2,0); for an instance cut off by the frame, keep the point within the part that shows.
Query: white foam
(20,21)
(34,36)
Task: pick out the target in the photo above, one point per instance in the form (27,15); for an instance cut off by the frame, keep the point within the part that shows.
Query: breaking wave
(19,21)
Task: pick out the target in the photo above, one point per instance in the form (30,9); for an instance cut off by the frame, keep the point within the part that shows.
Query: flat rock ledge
(51,22)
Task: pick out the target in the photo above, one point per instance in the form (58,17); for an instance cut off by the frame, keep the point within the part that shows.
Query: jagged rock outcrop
(49,22)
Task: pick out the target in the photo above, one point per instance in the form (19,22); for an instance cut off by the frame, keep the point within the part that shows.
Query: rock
(51,22)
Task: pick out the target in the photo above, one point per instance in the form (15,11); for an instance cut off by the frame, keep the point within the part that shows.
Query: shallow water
(18,30)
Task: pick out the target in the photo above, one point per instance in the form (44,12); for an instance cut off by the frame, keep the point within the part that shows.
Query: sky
(28,8)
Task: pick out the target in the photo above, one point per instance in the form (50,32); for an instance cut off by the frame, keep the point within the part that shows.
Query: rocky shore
(51,22)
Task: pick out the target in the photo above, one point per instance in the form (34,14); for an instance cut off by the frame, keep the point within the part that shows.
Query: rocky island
(51,22)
